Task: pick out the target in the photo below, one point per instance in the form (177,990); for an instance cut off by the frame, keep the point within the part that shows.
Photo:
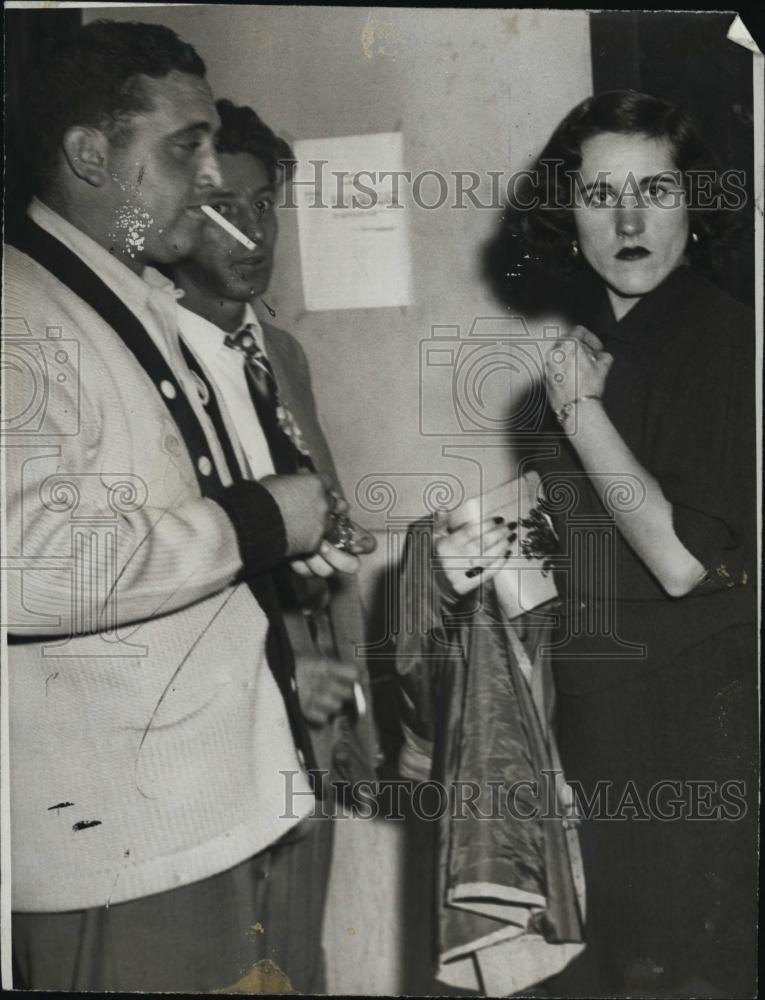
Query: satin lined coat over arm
(509,909)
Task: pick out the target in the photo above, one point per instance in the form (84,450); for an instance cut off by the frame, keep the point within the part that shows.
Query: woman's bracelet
(566,409)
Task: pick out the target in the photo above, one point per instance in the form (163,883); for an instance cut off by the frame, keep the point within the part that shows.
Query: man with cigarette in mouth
(153,700)
(257,377)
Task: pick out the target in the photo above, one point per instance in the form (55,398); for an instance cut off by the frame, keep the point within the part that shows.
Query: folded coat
(510,896)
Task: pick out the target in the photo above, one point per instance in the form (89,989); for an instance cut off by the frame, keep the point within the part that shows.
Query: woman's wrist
(565,412)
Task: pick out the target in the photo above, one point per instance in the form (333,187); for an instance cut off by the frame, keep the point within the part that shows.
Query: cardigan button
(204,465)
(172,444)
(167,389)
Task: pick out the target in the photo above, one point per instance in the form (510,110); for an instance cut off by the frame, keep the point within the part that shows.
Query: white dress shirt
(224,368)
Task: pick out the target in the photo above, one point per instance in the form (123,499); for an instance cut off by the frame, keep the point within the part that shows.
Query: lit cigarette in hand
(230,229)
(359,699)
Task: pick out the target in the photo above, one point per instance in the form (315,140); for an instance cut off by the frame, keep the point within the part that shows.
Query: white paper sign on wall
(351,201)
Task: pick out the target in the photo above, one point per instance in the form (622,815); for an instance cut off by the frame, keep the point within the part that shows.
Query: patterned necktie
(289,452)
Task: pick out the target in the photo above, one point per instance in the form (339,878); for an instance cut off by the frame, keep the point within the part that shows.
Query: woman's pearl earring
(694,237)
(574,248)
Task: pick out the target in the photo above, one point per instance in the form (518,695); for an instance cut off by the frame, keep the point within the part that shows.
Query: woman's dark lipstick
(632,253)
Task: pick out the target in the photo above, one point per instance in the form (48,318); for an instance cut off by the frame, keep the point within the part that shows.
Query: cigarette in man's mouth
(230,229)
(359,699)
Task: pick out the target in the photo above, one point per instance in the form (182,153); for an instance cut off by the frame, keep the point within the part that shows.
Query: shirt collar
(156,279)
(194,325)
(132,289)
(250,319)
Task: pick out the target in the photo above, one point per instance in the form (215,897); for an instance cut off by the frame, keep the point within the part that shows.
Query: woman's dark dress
(653,689)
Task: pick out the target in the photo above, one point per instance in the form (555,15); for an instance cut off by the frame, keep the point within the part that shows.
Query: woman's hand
(471,553)
(576,366)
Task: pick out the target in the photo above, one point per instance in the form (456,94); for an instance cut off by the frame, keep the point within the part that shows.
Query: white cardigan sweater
(147,734)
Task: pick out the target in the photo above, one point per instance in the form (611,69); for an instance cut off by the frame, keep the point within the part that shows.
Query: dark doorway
(27,34)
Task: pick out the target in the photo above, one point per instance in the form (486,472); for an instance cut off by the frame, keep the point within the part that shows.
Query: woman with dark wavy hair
(652,491)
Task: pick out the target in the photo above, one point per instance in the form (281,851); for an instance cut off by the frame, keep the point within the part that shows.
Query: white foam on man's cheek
(129,228)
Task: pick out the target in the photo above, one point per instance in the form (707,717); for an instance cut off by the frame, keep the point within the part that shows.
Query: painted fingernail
(474,572)
(508,553)
(498,520)
(512,536)
(512,524)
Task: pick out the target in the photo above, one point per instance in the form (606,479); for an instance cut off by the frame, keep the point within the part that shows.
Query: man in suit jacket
(153,709)
(293,376)
(220,278)
(230,350)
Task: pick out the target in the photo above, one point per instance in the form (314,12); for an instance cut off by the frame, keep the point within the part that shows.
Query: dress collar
(651,307)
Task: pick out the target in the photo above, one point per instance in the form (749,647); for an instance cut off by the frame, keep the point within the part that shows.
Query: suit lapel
(295,391)
(359,741)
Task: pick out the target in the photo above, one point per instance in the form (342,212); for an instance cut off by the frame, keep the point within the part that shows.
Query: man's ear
(86,150)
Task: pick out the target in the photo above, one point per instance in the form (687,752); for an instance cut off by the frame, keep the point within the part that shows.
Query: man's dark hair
(242,130)
(91,78)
